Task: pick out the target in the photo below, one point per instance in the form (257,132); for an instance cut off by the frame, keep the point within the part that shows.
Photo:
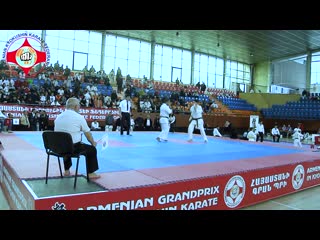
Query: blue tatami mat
(142,150)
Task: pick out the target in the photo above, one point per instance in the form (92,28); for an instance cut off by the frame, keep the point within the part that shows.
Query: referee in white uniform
(125,109)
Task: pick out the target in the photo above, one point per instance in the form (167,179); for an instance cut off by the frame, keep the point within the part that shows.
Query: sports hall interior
(281,87)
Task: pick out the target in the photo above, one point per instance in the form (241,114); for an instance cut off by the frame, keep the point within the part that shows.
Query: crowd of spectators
(54,84)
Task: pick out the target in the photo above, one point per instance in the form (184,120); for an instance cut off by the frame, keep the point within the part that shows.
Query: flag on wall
(254,120)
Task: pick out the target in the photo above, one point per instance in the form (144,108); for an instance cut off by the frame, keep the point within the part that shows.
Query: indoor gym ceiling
(246,46)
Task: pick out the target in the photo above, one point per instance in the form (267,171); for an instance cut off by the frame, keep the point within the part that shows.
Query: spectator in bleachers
(67,72)
(60,91)
(128,90)
(52,98)
(114,96)
(107,101)
(17,83)
(213,105)
(55,103)
(203,87)
(146,106)
(43,98)
(119,80)
(55,83)
(98,101)
(304,94)
(111,76)
(87,97)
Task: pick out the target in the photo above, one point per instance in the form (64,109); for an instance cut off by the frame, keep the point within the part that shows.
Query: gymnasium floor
(143,152)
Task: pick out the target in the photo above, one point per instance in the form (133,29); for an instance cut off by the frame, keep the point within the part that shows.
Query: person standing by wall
(196,120)
(2,119)
(9,122)
(165,112)
(260,131)
(24,121)
(33,119)
(125,109)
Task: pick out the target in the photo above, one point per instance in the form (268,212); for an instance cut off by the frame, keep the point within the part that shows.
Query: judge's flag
(104,141)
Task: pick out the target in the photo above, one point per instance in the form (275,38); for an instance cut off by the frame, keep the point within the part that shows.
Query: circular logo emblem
(26,57)
(27,50)
(298,177)
(234,191)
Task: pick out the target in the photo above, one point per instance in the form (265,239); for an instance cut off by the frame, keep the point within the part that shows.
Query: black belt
(163,117)
(196,120)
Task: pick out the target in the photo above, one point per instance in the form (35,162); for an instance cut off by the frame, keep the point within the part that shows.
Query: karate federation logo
(59,206)
(26,50)
(298,177)
(234,191)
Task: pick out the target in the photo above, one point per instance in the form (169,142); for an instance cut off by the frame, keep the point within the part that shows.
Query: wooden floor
(308,199)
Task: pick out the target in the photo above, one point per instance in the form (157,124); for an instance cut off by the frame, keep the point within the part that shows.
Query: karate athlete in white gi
(196,120)
(165,111)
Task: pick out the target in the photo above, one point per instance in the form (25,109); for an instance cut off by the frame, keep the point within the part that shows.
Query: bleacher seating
(304,109)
